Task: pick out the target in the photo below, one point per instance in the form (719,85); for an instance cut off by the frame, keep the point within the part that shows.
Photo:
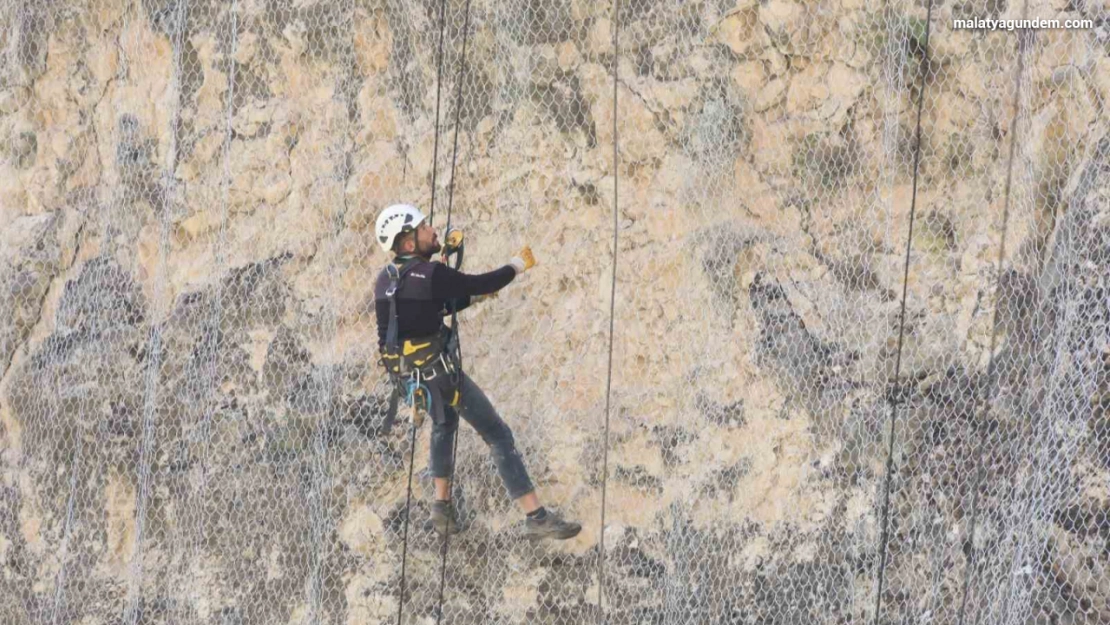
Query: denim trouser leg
(481,415)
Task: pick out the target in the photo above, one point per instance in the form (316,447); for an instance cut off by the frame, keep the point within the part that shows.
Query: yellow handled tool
(525,254)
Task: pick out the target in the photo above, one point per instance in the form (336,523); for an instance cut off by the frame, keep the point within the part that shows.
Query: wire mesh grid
(858,300)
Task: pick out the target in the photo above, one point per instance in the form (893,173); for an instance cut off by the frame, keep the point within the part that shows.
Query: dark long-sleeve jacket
(429,291)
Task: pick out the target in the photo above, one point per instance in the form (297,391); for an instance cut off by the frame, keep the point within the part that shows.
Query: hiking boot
(444,515)
(550,526)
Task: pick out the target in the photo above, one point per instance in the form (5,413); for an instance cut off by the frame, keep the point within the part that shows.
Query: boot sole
(563,535)
(441,528)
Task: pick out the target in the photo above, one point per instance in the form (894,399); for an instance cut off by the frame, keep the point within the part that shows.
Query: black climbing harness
(419,360)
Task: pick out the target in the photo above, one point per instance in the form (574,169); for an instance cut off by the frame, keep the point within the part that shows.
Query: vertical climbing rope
(454,312)
(612,317)
(439,84)
(1062,318)
(885,535)
(985,399)
(431,217)
(458,115)
(405,532)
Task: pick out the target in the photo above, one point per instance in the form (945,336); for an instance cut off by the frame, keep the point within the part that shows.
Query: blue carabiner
(410,391)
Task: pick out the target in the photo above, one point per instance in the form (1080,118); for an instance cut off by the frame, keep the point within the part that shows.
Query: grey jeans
(476,408)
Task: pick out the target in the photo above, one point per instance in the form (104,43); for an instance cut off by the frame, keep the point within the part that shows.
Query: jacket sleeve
(448,283)
(456,305)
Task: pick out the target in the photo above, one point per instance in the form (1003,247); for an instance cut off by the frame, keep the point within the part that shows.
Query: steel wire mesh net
(858,299)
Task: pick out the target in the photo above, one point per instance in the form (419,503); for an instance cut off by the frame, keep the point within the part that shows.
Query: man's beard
(431,248)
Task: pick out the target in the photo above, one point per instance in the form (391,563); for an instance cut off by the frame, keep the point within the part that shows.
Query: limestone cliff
(193,427)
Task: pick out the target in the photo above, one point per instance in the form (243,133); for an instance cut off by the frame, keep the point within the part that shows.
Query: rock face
(851,352)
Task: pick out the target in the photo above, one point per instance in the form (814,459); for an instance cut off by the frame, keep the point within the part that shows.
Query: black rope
(458,115)
(431,216)
(454,518)
(612,317)
(454,316)
(1046,315)
(439,85)
(885,536)
(985,400)
(408,503)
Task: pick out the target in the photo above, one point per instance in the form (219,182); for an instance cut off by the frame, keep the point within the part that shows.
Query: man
(418,352)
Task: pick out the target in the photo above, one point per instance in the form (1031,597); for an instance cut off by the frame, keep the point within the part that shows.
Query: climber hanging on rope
(419,351)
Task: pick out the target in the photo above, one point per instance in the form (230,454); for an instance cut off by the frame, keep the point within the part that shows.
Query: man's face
(427,241)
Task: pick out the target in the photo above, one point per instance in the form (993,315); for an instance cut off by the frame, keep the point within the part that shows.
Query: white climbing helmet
(395,220)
